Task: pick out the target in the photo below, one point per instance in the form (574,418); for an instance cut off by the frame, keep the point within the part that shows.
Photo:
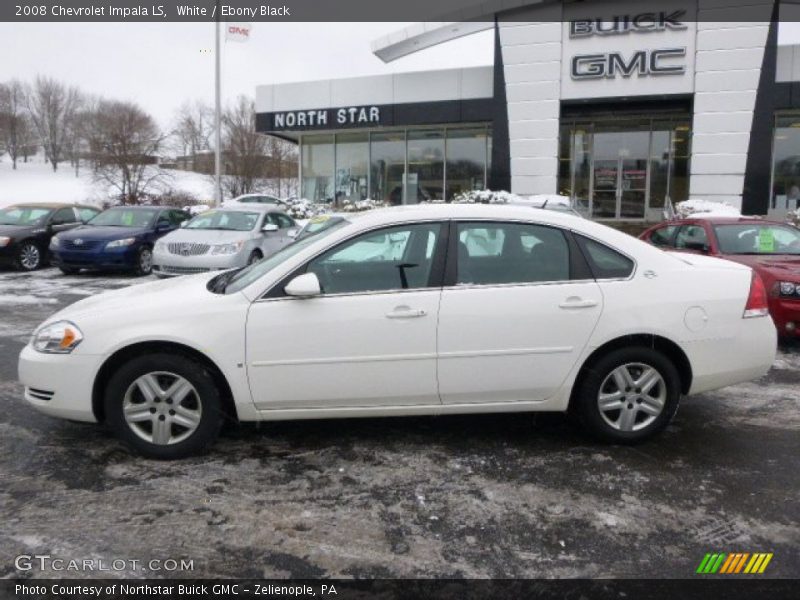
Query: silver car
(223,238)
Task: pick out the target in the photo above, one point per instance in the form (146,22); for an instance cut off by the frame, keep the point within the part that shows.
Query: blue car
(118,239)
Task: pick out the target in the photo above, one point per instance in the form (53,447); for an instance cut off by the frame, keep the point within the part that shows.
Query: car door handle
(404,312)
(574,302)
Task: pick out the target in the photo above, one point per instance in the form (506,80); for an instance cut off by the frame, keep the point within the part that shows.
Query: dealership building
(618,105)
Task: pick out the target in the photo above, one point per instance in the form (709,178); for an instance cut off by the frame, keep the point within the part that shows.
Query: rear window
(605,262)
(663,236)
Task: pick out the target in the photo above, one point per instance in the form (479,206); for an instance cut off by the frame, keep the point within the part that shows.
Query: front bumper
(102,259)
(786,314)
(59,385)
(169,265)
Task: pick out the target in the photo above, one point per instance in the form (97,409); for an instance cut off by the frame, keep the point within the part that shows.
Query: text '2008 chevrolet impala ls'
(439,309)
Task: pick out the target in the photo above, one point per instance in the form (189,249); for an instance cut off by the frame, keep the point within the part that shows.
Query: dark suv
(26,230)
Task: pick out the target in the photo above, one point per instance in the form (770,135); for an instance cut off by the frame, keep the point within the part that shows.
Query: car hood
(17,230)
(778,264)
(100,233)
(206,236)
(154,295)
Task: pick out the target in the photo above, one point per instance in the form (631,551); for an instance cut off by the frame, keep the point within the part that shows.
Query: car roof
(254,207)
(50,205)
(719,220)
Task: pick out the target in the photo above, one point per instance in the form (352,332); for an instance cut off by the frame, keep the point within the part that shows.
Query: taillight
(757,300)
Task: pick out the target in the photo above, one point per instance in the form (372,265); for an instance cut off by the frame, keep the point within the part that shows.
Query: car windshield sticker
(766,240)
(127,219)
(319,219)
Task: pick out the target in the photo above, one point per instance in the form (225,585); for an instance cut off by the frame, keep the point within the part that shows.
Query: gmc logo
(642,63)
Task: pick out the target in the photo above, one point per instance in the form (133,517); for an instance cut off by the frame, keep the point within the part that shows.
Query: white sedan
(440,309)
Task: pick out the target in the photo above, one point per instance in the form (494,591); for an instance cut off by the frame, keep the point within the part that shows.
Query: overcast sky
(162,65)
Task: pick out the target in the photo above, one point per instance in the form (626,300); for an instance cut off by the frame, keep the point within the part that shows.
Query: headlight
(789,289)
(60,337)
(121,243)
(227,248)
(160,246)
(4,241)
(54,241)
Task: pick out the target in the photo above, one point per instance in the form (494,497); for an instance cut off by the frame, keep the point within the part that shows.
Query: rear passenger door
(518,307)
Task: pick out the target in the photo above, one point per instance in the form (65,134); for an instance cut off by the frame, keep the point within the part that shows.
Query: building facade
(619,106)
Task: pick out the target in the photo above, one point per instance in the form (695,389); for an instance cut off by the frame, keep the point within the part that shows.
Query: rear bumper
(745,356)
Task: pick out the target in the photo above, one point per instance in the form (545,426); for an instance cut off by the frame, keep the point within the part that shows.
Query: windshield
(226,220)
(318,224)
(241,279)
(23,215)
(125,217)
(755,238)
(259,199)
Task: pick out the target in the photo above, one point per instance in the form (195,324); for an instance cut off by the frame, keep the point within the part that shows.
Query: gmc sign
(643,62)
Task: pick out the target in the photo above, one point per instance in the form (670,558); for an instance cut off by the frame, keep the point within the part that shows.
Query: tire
(29,257)
(255,256)
(144,262)
(629,417)
(69,270)
(136,401)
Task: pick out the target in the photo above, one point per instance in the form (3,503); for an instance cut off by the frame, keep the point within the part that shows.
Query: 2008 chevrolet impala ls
(427,310)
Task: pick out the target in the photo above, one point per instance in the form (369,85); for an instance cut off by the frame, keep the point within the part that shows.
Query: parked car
(120,238)
(26,230)
(256,199)
(558,314)
(224,238)
(771,249)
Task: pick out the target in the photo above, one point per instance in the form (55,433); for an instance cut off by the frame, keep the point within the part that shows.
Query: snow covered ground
(35,181)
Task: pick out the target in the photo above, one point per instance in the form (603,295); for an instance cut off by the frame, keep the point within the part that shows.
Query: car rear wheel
(628,395)
(144,261)
(29,257)
(164,406)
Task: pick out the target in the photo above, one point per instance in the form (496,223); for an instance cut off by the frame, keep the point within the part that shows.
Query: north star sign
(641,62)
(352,116)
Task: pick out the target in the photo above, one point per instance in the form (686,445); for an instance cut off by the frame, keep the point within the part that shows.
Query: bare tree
(51,105)
(282,164)
(14,123)
(194,126)
(244,150)
(124,140)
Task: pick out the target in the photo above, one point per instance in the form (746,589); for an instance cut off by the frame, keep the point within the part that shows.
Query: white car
(466,309)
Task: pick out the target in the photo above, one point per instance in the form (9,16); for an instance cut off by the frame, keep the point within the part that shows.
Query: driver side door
(368,340)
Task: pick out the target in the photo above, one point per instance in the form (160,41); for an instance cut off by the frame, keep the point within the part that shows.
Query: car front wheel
(628,395)
(164,406)
(144,261)
(29,257)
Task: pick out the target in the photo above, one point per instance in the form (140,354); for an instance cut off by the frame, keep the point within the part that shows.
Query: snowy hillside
(35,181)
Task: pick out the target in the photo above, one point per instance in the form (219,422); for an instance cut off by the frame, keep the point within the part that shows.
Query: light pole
(217,115)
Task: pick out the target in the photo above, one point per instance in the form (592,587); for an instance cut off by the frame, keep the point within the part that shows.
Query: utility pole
(217,116)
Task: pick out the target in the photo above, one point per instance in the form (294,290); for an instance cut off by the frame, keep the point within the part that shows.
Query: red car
(772,249)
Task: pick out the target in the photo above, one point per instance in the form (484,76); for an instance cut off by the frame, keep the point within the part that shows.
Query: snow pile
(300,208)
(196,209)
(705,208)
(360,205)
(487,197)
(793,217)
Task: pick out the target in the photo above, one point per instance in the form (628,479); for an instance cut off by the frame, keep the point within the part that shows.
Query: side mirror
(269,228)
(183,224)
(303,286)
(292,233)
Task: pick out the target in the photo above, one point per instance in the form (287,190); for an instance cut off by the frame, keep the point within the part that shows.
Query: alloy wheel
(632,396)
(162,408)
(145,260)
(29,257)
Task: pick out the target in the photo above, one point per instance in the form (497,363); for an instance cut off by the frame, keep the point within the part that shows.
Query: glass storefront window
(387,166)
(317,168)
(352,158)
(425,166)
(466,160)
(786,164)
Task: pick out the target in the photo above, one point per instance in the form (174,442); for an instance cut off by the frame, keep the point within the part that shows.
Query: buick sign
(621,24)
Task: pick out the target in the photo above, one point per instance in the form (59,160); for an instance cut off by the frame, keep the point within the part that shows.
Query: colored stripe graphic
(734,563)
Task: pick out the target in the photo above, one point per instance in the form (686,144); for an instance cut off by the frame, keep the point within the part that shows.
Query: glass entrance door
(619,174)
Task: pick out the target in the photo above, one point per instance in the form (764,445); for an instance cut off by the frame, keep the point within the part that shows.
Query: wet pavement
(475,496)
